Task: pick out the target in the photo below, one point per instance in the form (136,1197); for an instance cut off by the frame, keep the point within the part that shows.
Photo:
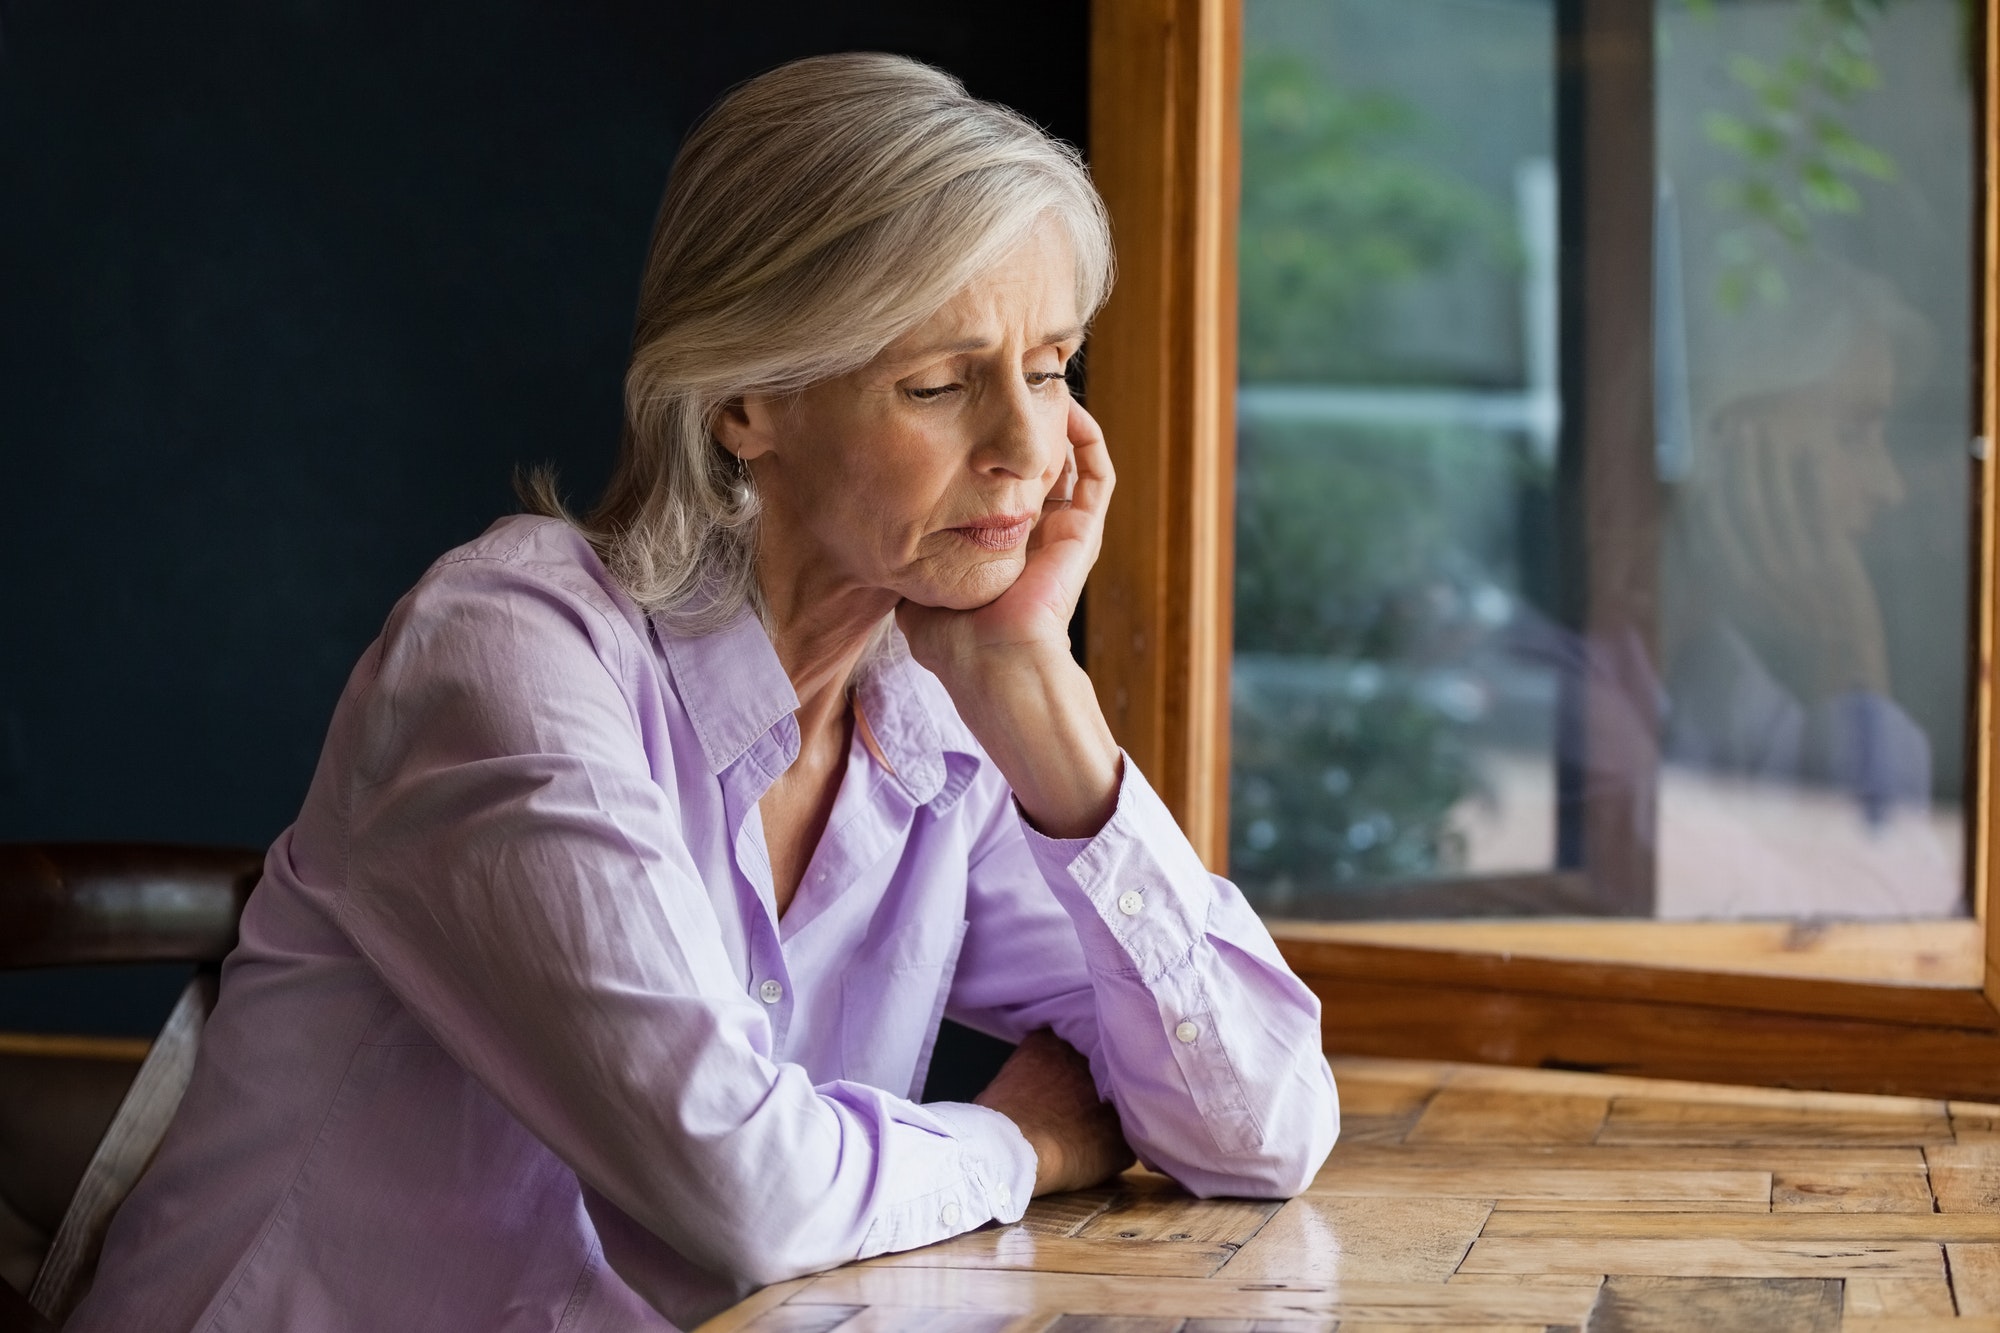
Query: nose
(1019,438)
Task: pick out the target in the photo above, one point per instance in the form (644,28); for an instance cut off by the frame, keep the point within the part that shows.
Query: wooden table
(1473,1198)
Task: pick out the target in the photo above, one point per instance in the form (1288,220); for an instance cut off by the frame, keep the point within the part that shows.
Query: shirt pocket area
(889,1017)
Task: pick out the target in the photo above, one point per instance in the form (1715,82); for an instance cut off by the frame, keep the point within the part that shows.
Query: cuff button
(1129,902)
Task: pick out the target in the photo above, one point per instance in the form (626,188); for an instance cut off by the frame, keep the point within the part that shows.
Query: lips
(997,532)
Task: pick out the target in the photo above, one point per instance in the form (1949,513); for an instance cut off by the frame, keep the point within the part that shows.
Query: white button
(1004,1197)
(771,992)
(950,1215)
(1186,1033)
(1129,902)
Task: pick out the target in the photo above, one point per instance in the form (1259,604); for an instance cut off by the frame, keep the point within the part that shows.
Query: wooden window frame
(1910,1009)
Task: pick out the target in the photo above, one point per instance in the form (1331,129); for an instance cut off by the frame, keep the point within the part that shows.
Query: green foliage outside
(1335,215)
(1362,582)
(1799,159)
(1357,562)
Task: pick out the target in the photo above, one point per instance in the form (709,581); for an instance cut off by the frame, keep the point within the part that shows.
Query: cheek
(891,484)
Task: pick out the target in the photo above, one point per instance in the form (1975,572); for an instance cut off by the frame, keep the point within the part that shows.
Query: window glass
(1432,713)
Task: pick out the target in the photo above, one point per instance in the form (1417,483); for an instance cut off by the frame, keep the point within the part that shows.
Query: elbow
(1296,1138)
(749,1268)
(774,1240)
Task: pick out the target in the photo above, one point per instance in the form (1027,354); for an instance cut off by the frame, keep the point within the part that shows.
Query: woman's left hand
(1008,668)
(1033,615)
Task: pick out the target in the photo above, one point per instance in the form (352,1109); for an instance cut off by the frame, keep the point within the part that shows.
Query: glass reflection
(1791,719)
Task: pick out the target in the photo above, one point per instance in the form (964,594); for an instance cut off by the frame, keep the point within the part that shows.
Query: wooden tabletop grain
(1472,1198)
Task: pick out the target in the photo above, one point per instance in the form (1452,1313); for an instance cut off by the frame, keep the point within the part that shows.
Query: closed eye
(1040,377)
(934,391)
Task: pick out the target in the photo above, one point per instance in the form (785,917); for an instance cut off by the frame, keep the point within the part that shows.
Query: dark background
(287,290)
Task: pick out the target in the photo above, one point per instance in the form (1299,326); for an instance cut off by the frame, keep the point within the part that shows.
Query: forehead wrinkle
(980,344)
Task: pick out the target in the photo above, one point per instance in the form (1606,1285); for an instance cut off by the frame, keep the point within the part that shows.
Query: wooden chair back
(69,904)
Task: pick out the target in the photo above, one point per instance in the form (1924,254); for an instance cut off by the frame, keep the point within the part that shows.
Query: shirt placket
(768,981)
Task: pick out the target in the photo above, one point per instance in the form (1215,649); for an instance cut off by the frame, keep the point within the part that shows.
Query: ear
(747,426)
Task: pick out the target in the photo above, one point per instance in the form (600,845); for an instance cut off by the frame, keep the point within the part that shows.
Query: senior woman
(597,979)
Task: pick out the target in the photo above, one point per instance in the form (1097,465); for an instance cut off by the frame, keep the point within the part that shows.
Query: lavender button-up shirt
(515,1038)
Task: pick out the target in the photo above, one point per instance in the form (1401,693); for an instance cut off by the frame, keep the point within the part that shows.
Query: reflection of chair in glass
(1777,659)
(70,905)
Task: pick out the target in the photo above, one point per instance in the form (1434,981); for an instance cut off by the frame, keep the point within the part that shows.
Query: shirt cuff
(1138,893)
(996,1179)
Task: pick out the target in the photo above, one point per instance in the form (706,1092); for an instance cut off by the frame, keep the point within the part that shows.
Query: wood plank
(802,1319)
(1530,1279)
(1975,1122)
(1635,1120)
(1173,1215)
(127,1050)
(1360,1240)
(1642,1304)
(1383,1326)
(1068,1293)
(1917,1324)
(1436,1013)
(1376,1130)
(1965,1177)
(1706,1257)
(1751,1207)
(1772,1158)
(1975,1278)
(1114,1323)
(1432,1074)
(1315,951)
(1018,1248)
(1377,1087)
(1583,1084)
(1810,1191)
(740,1315)
(893,1319)
(1547,1183)
(1501,1116)
(1367,1096)
(1063,1214)
(1896,1298)
(1259,1326)
(1834,1227)
(1904,953)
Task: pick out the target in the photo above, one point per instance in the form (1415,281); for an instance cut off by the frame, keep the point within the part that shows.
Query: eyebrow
(1070,334)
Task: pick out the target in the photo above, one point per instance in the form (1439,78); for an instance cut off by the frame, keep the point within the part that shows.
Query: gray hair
(817,213)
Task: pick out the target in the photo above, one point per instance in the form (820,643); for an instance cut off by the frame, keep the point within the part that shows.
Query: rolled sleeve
(992,1180)
(1195,1027)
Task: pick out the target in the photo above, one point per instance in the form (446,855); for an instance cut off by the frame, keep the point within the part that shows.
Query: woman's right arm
(518,877)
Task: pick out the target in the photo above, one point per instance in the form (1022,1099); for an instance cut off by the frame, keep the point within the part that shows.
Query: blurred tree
(1790,131)
(1335,214)
(1356,574)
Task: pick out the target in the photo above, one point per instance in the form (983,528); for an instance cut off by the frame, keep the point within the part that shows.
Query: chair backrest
(64,904)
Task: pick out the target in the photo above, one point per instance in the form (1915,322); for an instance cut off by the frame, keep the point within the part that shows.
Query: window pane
(1424,697)
(1815,331)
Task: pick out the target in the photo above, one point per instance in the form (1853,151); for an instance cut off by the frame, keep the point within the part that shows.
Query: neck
(820,626)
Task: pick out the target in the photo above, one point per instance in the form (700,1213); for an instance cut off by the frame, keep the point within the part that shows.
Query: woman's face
(923,473)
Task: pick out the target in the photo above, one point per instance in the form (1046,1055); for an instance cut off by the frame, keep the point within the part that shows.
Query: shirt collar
(732,685)
(736,691)
(930,752)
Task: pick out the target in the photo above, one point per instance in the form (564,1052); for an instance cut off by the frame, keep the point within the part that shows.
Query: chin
(975,587)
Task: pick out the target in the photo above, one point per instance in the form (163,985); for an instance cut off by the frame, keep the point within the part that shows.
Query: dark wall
(287,289)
